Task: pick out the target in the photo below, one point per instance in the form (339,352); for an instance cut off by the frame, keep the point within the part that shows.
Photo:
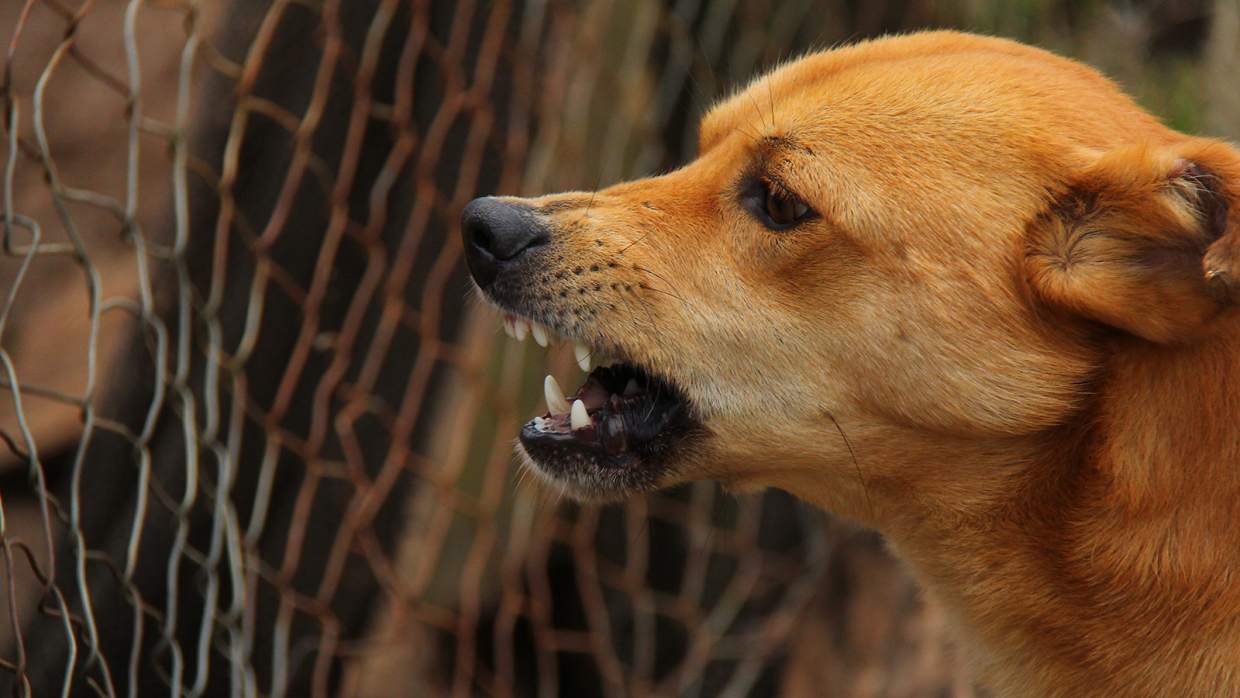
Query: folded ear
(1147,239)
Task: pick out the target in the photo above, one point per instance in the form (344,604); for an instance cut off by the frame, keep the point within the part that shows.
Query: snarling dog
(952,287)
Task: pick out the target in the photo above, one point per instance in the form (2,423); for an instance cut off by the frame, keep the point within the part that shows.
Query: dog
(952,287)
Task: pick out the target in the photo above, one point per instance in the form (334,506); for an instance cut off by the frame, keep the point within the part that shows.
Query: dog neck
(1080,559)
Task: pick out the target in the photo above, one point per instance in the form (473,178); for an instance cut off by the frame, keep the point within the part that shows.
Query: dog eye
(783,208)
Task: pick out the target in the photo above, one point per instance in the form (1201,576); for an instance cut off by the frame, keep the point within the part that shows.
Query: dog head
(884,256)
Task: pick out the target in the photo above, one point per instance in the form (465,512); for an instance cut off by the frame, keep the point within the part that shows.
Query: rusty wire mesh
(259,439)
(295,314)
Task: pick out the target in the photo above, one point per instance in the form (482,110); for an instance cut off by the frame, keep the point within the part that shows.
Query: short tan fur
(1015,298)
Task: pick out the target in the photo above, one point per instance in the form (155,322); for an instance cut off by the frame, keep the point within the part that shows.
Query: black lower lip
(557,450)
(630,445)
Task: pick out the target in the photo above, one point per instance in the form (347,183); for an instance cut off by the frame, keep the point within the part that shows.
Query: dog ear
(1146,239)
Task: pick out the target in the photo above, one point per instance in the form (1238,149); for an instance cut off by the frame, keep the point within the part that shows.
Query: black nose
(496,234)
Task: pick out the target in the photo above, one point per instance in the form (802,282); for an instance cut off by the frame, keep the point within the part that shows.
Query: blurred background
(256,439)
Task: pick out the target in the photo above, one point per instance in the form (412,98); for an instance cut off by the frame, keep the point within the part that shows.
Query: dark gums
(630,433)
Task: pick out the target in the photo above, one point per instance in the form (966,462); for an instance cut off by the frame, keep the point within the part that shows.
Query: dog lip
(633,438)
(629,441)
(610,355)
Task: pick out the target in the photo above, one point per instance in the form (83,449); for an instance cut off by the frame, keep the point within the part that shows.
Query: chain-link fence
(259,438)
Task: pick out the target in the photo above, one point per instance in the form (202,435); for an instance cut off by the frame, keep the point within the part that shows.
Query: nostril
(481,240)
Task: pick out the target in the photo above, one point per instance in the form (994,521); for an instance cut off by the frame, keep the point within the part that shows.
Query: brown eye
(783,208)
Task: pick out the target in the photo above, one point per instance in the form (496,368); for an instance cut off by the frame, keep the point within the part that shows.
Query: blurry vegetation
(1176,57)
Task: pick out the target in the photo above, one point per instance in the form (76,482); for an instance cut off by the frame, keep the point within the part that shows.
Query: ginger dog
(952,287)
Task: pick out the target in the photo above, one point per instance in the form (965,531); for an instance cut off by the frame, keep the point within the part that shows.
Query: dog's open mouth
(616,433)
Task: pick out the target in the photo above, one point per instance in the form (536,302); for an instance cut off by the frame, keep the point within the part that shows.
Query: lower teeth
(579,417)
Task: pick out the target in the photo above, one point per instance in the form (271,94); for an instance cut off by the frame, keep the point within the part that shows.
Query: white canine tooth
(556,403)
(540,334)
(522,327)
(580,418)
(582,352)
(632,388)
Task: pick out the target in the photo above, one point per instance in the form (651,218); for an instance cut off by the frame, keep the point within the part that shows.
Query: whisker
(540,505)
(756,107)
(771,94)
(602,167)
(625,249)
(666,293)
(632,317)
(645,521)
(752,136)
(864,488)
(706,60)
(662,278)
(653,327)
(705,551)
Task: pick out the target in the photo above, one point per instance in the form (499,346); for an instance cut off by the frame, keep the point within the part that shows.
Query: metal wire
(259,442)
